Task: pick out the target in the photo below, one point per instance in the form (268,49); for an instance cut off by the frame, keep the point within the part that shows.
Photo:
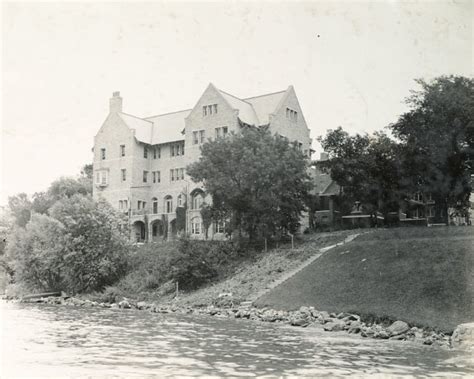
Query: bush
(81,247)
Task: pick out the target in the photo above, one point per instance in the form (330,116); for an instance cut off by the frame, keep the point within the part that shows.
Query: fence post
(177,289)
(265,245)
(292,242)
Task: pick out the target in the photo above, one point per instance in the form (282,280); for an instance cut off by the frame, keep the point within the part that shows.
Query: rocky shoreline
(304,317)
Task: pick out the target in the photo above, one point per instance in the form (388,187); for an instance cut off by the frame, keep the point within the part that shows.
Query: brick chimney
(116,103)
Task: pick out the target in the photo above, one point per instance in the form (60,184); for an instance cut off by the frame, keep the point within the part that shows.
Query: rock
(463,336)
(354,327)
(383,334)
(124,304)
(299,322)
(398,327)
(114,306)
(141,305)
(351,317)
(334,326)
(324,317)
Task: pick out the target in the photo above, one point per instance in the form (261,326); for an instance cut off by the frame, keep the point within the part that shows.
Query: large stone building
(140,162)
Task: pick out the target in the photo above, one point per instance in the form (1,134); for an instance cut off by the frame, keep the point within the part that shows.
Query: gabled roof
(246,112)
(323,183)
(168,127)
(143,128)
(265,105)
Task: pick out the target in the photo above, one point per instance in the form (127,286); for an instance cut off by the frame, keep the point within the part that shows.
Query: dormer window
(208,110)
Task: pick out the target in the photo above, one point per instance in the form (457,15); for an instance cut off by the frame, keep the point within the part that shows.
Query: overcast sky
(351,64)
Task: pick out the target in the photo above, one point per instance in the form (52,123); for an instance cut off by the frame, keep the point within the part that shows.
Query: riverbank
(305,317)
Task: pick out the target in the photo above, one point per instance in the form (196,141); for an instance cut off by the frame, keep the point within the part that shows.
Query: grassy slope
(421,275)
(255,274)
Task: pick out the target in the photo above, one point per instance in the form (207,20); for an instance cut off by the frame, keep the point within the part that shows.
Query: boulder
(124,304)
(324,317)
(463,336)
(355,327)
(299,322)
(334,326)
(398,327)
(141,305)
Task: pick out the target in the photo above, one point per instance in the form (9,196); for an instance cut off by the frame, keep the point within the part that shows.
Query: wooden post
(292,242)
(177,289)
(265,245)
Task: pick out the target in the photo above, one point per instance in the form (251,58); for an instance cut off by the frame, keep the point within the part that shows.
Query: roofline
(267,94)
(131,115)
(165,114)
(235,97)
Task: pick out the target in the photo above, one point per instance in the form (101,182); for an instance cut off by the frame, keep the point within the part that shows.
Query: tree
(260,179)
(367,168)
(20,208)
(80,247)
(437,136)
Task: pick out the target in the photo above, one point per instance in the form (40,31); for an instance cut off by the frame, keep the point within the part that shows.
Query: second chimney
(116,103)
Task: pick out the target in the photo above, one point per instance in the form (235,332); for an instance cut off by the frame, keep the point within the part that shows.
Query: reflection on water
(42,340)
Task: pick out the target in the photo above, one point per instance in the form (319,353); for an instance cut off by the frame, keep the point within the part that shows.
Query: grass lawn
(424,276)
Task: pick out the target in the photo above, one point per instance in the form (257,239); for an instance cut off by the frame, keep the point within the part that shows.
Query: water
(39,340)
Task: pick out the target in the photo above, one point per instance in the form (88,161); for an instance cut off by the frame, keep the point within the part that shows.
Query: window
(429,196)
(154,176)
(155,205)
(197,200)
(220,226)
(176,174)
(195,138)
(139,204)
(291,114)
(156,152)
(158,177)
(208,110)
(196,225)
(221,132)
(145,152)
(172,175)
(145,176)
(122,150)
(418,196)
(102,153)
(181,173)
(123,205)
(169,204)
(101,177)
(180,200)
(124,175)
(120,204)
(177,149)
(202,135)
(172,152)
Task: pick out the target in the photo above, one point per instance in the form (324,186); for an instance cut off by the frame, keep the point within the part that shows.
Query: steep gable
(265,105)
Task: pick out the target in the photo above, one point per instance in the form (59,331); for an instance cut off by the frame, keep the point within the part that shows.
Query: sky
(351,63)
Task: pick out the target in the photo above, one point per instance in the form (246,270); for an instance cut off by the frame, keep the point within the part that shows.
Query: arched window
(196,225)
(155,205)
(197,198)
(168,204)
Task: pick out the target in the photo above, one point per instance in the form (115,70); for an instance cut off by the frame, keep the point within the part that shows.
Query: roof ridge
(131,115)
(235,97)
(267,94)
(164,114)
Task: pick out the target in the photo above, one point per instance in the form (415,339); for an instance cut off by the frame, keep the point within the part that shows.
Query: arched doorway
(139,231)
(157,230)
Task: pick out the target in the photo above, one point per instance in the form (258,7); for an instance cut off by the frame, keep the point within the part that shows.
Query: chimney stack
(116,103)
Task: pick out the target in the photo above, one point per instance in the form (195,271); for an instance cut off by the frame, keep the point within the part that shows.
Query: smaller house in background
(419,209)
(326,191)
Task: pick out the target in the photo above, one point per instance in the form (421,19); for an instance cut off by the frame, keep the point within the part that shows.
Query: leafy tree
(366,166)
(437,135)
(80,247)
(206,216)
(20,208)
(258,178)
(68,187)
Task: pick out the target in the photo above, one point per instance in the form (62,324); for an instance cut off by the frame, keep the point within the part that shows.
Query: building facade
(140,162)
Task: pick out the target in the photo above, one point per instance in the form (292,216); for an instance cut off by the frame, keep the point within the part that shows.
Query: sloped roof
(264,105)
(323,184)
(246,111)
(143,128)
(168,127)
